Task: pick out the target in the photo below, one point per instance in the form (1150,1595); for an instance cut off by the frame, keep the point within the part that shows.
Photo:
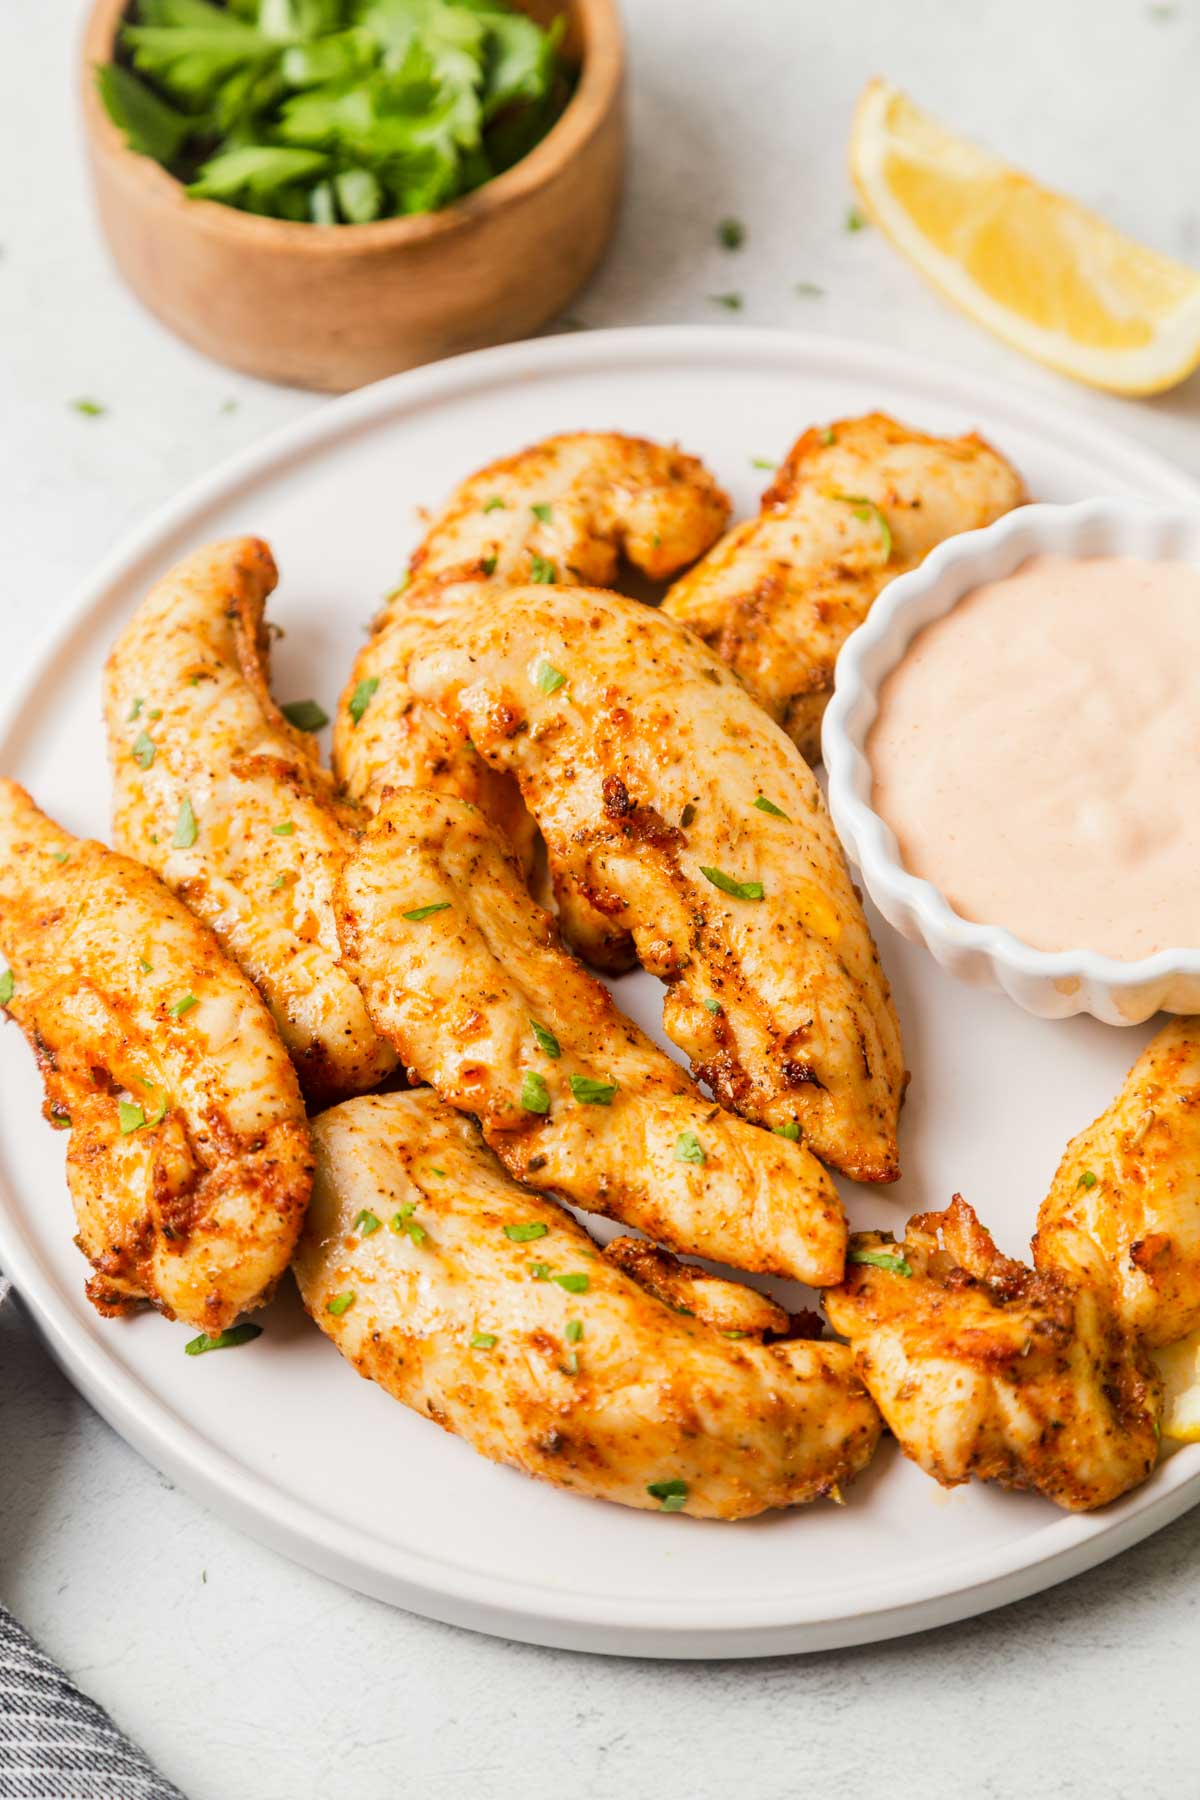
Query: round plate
(282,1436)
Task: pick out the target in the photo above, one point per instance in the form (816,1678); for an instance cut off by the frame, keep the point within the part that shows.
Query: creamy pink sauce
(1037,753)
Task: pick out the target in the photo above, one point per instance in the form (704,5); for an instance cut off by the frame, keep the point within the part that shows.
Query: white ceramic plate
(282,1436)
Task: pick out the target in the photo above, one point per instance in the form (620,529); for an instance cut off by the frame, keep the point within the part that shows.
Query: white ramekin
(1050,984)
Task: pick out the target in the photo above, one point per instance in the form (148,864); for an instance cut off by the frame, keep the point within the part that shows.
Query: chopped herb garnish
(526,1232)
(548,678)
(763,462)
(440,1173)
(285,830)
(731,234)
(130,1117)
(133,712)
(741,890)
(688,1148)
(488,565)
(228,1339)
(60,856)
(731,302)
(574,1284)
(856,219)
(60,1120)
(687,815)
(144,750)
(535,1095)
(543,512)
(143,965)
(367,1222)
(484,1340)
(360,699)
(735,1335)
(1086,1180)
(712,1006)
(280,881)
(404,1225)
(573,1330)
(769,806)
(425,912)
(340,1303)
(541,570)
(155,712)
(539,1271)
(592,1093)
(305,715)
(828,435)
(867,511)
(496,504)
(570,1363)
(91,409)
(791,1131)
(185,826)
(183,1005)
(881,1259)
(546,1040)
(671,1494)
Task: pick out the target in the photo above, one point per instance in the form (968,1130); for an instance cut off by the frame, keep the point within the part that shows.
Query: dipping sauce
(1037,754)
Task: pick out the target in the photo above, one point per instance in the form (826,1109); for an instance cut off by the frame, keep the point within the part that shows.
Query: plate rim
(977,1580)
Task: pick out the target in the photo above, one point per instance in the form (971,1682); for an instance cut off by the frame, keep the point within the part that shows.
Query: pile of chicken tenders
(346,1020)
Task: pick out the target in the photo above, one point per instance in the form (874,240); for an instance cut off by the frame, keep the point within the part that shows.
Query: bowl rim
(868,839)
(598,90)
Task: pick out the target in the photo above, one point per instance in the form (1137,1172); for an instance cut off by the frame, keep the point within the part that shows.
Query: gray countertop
(241,1673)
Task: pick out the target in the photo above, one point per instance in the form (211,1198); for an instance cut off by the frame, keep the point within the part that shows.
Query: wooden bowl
(334,306)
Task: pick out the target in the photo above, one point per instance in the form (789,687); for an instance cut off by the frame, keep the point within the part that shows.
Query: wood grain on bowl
(332,307)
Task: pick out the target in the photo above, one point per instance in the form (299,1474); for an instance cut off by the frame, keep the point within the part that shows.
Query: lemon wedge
(1179,1366)
(1036,269)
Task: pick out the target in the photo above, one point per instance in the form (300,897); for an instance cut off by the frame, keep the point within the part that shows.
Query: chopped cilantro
(425,912)
(548,678)
(228,1339)
(688,1148)
(341,1303)
(769,806)
(671,1495)
(144,750)
(592,1093)
(541,570)
(573,1330)
(285,830)
(360,699)
(526,1232)
(183,1005)
(535,1095)
(1086,1180)
(185,826)
(305,715)
(546,1040)
(791,1131)
(867,511)
(572,1283)
(6,987)
(367,1222)
(740,890)
(484,1340)
(543,512)
(881,1259)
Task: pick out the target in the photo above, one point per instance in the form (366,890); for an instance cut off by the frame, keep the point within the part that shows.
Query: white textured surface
(262,1679)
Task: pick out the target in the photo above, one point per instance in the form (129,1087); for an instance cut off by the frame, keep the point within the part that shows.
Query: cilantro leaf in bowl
(333,112)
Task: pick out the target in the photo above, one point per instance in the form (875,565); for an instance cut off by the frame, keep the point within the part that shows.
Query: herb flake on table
(731,302)
(731,234)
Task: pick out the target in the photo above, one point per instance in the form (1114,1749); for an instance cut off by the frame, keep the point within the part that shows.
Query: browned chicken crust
(568,509)
(189,1157)
(854,505)
(1130,1184)
(217,793)
(687,818)
(982,1367)
(468,978)
(489,1310)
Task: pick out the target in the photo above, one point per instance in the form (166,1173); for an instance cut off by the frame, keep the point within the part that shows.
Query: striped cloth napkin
(55,1743)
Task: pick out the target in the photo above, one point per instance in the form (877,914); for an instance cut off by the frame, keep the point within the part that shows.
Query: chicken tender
(467,977)
(226,801)
(489,1310)
(983,1368)
(567,509)
(688,819)
(189,1159)
(1131,1184)
(854,505)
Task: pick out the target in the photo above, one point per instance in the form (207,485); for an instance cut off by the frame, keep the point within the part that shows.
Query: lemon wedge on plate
(1179,1366)
(1034,268)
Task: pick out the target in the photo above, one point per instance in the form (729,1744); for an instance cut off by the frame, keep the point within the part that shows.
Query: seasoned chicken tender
(489,1310)
(468,978)
(1131,1184)
(688,819)
(854,505)
(983,1368)
(217,793)
(566,509)
(189,1159)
